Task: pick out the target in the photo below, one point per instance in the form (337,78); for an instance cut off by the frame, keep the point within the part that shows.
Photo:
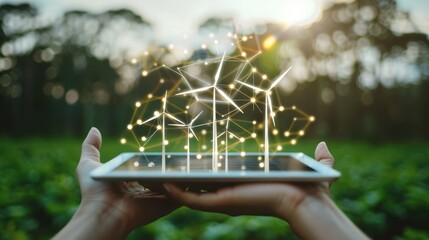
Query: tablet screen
(201,163)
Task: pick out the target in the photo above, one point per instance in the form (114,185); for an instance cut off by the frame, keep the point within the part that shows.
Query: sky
(174,19)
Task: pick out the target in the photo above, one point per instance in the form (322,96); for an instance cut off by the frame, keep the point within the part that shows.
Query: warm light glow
(141,149)
(138,104)
(199,156)
(269,43)
(139,122)
(279,148)
(243,154)
(144,139)
(293,141)
(129,127)
(301,133)
(253,135)
(312,119)
(165,142)
(144,73)
(301,12)
(123,140)
(241,139)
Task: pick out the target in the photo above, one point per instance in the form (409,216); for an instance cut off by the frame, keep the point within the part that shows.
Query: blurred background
(360,67)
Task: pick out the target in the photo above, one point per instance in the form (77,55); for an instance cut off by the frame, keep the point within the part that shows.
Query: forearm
(93,222)
(320,218)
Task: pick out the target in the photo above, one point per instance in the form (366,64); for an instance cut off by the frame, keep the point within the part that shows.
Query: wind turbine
(164,114)
(268,104)
(226,142)
(215,89)
(189,127)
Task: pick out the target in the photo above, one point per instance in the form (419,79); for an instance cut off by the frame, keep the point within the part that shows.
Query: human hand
(114,208)
(272,199)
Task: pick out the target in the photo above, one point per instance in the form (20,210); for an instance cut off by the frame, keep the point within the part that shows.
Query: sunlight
(302,12)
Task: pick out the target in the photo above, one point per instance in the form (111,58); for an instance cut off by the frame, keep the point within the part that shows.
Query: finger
(90,155)
(323,155)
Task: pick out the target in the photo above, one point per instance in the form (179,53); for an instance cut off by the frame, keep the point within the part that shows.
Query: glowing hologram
(215,89)
(189,127)
(268,104)
(163,114)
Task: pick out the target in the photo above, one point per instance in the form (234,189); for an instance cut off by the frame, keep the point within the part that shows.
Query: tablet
(147,167)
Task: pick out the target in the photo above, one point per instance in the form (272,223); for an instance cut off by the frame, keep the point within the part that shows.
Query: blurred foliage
(383,189)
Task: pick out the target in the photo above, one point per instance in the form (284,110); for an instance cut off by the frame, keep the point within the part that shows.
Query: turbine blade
(195,90)
(251,86)
(228,99)
(279,79)
(177,125)
(174,118)
(232,134)
(218,70)
(195,135)
(165,101)
(150,119)
(270,104)
(195,118)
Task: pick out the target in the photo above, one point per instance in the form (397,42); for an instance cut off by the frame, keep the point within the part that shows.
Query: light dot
(129,126)
(254,70)
(123,140)
(187,106)
(243,154)
(261,165)
(204,147)
(139,122)
(259,158)
(293,107)
(133,61)
(199,156)
(150,95)
(293,141)
(219,164)
(231,86)
(144,73)
(138,104)
(165,142)
(206,63)
(253,100)
(287,134)
(261,145)
(190,135)
(158,127)
(161,80)
(301,133)
(242,139)
(168,156)
(312,119)
(273,114)
(222,142)
(253,135)
(185,147)
(156,113)
(279,148)
(220,157)
(144,139)
(136,164)
(281,108)
(243,54)
(231,136)
(243,167)
(254,122)
(264,77)
(275,132)
(151,164)
(204,132)
(244,38)
(141,149)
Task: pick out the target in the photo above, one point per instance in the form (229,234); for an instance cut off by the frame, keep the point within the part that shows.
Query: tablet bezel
(322,173)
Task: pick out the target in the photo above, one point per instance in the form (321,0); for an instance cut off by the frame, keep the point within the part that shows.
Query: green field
(384,189)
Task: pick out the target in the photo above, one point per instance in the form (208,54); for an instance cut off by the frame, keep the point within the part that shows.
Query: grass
(384,188)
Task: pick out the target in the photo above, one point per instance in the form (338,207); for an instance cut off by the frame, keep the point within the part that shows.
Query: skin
(308,208)
(112,210)
(109,210)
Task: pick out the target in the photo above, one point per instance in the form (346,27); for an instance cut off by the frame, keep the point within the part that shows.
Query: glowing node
(186,111)
(293,107)
(279,148)
(133,61)
(231,136)
(261,145)
(295,118)
(158,127)
(287,134)
(242,139)
(261,164)
(139,122)
(301,132)
(220,157)
(311,119)
(166,142)
(150,95)
(203,132)
(244,38)
(254,122)
(231,86)
(151,164)
(168,156)
(123,140)
(243,154)
(260,126)
(253,100)
(264,77)
(219,164)
(273,114)
(187,106)
(281,108)
(243,54)
(199,156)
(275,132)
(129,126)
(269,42)
(206,63)
(136,164)
(204,147)
(185,147)
(222,122)
(141,149)
(293,141)
(156,113)
(138,104)
(243,167)
(161,80)
(144,139)
(203,46)
(229,34)
(253,135)
(259,158)
(222,142)
(144,73)
(190,135)
(254,70)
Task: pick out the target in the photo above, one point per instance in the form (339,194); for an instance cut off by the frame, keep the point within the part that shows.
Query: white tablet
(147,167)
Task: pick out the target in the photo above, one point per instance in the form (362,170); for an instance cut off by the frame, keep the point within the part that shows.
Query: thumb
(323,155)
(90,156)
